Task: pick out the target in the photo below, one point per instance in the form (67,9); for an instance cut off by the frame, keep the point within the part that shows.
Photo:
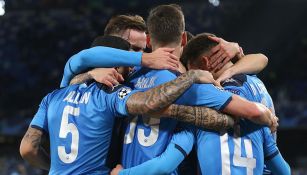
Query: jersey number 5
(64,130)
(249,162)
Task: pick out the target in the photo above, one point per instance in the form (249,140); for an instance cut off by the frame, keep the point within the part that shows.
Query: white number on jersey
(142,139)
(249,162)
(64,130)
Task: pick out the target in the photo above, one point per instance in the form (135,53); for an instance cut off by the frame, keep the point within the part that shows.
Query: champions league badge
(124,92)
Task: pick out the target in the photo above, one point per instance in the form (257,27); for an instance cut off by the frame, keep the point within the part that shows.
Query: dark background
(38,36)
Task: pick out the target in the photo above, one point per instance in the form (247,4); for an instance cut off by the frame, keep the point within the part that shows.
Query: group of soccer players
(168,110)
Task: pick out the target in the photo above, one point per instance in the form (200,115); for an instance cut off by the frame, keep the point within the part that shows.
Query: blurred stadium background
(38,36)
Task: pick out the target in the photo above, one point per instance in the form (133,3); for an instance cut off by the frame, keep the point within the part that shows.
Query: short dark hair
(165,23)
(196,47)
(111,41)
(189,35)
(118,24)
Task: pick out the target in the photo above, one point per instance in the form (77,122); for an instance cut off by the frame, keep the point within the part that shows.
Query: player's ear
(184,39)
(148,41)
(204,62)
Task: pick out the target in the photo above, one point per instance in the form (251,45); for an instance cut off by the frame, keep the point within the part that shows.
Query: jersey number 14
(248,162)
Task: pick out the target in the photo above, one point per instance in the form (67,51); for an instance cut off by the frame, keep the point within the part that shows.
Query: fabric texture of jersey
(79,121)
(147,138)
(98,56)
(240,152)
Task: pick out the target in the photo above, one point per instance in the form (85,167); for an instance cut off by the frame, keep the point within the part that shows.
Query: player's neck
(176,52)
(219,73)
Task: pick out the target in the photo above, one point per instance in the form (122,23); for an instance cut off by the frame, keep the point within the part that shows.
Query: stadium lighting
(215,2)
(2,10)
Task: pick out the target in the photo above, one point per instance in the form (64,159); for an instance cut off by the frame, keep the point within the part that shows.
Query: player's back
(243,151)
(145,137)
(79,125)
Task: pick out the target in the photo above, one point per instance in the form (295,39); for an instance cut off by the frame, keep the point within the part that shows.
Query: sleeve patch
(123,92)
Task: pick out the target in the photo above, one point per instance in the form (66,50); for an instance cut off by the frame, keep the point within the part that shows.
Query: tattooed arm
(81,78)
(32,151)
(107,76)
(162,96)
(199,116)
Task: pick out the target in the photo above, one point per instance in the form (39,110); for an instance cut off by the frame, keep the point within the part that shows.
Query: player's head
(196,54)
(166,26)
(111,41)
(189,35)
(114,42)
(129,27)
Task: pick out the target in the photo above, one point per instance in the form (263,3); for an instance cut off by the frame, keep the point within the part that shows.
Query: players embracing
(151,145)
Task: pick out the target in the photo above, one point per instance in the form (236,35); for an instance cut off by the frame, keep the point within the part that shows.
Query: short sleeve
(205,95)
(40,120)
(270,148)
(118,99)
(184,141)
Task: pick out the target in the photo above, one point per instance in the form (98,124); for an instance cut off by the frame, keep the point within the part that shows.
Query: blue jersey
(147,138)
(98,56)
(221,154)
(241,153)
(79,120)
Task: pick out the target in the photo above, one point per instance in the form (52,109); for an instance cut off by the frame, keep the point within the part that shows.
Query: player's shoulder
(266,130)
(206,88)
(236,80)
(81,88)
(164,73)
(236,84)
(158,71)
(53,93)
(254,79)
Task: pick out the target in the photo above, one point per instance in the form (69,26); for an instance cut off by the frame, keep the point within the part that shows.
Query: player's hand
(228,73)
(116,170)
(274,123)
(222,53)
(161,58)
(204,77)
(107,76)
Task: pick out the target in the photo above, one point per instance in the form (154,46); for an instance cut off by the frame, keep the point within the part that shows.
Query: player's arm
(255,112)
(179,147)
(278,165)
(199,116)
(226,102)
(273,158)
(32,151)
(31,145)
(160,97)
(226,51)
(155,101)
(107,76)
(249,64)
(166,163)
(109,57)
